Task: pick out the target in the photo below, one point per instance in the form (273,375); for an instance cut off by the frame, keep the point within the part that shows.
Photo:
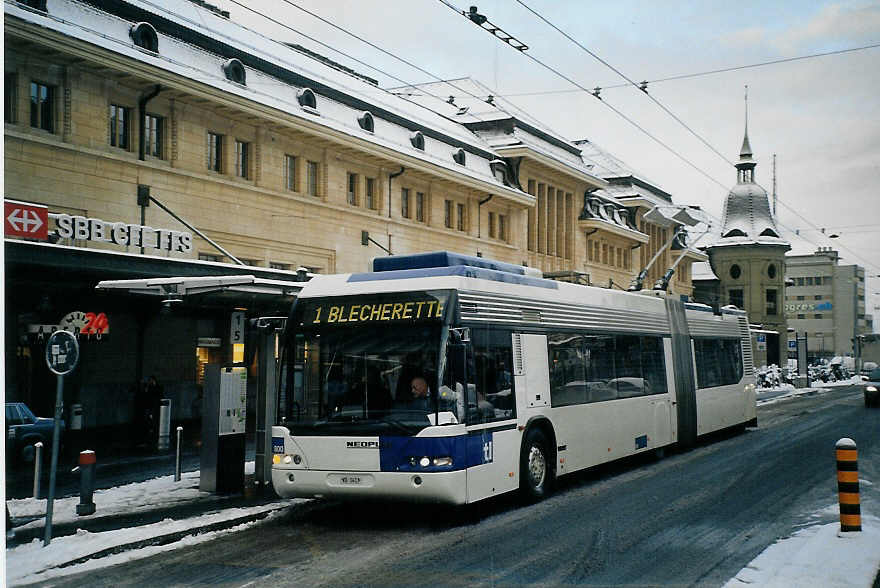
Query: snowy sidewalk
(131,522)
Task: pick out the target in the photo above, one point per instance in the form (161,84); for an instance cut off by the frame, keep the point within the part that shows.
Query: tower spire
(746,152)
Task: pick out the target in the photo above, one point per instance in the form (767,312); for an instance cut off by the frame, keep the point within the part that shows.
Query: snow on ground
(783,391)
(32,562)
(819,555)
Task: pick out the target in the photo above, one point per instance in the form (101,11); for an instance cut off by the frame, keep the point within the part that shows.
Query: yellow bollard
(848,485)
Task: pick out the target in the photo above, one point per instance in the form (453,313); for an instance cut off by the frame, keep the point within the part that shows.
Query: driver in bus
(420,395)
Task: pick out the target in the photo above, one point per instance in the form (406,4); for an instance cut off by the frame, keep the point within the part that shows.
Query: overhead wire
(708,72)
(630,82)
(388,53)
(356,60)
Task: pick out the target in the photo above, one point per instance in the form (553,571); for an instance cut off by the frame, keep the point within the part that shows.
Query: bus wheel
(535,468)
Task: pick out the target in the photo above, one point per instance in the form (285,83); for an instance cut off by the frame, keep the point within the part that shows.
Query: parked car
(23,430)
(871,387)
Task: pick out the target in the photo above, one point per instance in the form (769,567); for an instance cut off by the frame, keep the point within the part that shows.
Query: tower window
(735,272)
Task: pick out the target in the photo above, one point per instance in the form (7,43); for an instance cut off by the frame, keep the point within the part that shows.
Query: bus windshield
(364,377)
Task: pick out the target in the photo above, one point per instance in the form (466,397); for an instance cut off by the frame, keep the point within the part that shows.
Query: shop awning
(183,286)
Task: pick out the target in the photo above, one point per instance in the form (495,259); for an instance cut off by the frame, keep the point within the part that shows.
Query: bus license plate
(358,480)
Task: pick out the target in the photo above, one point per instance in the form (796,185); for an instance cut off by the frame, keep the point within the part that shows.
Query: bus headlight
(297,459)
(871,388)
(287,459)
(425,462)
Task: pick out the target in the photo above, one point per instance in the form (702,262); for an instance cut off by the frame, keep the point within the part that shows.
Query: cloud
(834,23)
(748,37)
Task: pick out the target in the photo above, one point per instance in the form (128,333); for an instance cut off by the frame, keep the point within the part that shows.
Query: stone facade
(92,115)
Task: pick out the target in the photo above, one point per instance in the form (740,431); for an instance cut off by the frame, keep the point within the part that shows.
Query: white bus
(526,379)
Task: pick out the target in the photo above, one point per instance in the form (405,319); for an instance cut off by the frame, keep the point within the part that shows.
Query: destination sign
(356,310)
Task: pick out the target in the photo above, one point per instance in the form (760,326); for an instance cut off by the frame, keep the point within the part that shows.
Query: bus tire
(535,466)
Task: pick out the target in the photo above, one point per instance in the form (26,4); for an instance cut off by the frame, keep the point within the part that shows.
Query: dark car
(23,430)
(872,388)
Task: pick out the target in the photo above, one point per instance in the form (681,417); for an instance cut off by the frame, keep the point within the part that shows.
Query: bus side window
(493,395)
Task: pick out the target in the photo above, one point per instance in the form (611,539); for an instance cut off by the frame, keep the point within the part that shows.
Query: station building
(153,140)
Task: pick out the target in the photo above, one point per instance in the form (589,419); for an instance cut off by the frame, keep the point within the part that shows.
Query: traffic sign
(62,352)
(30,221)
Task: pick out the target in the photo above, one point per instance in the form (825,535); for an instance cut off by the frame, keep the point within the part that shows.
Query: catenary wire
(365,64)
(625,77)
(647,133)
(704,73)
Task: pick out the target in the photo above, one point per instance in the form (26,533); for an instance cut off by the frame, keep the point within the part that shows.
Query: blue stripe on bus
(402,454)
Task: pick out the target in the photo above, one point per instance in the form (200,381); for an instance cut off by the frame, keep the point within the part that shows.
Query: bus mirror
(458,361)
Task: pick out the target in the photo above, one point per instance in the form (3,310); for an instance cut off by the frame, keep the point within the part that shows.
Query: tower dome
(747,217)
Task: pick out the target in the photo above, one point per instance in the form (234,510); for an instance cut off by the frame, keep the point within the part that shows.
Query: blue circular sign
(62,352)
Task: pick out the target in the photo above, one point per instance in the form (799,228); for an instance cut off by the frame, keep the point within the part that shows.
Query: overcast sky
(820,116)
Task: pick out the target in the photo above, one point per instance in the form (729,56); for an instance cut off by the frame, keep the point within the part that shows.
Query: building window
(290,172)
(818,280)
(809,281)
(154,134)
(120,130)
(460,224)
(502,227)
(371,193)
(215,152)
(817,316)
(771,271)
(736,298)
(800,297)
(210,257)
(144,36)
(279,266)
(771,301)
(735,271)
(42,107)
(352,189)
(800,281)
(492,225)
(312,178)
(10,97)
(404,202)
(802,316)
(420,207)
(447,214)
(242,158)
(817,297)
(605,253)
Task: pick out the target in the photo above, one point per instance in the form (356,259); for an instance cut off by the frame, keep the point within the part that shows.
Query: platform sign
(62,355)
(62,352)
(30,221)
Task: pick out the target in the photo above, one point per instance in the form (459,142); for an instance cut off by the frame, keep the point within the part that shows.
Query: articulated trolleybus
(447,378)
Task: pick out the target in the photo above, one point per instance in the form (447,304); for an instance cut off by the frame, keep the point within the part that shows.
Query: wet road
(694,518)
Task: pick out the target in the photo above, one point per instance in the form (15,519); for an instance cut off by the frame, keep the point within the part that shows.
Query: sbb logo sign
(30,221)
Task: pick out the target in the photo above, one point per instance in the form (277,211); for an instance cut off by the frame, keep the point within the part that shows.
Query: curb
(171,537)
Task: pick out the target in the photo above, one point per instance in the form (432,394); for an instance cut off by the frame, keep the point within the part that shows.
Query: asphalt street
(695,517)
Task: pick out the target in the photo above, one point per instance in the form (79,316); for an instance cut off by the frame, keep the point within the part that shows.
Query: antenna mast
(774,185)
